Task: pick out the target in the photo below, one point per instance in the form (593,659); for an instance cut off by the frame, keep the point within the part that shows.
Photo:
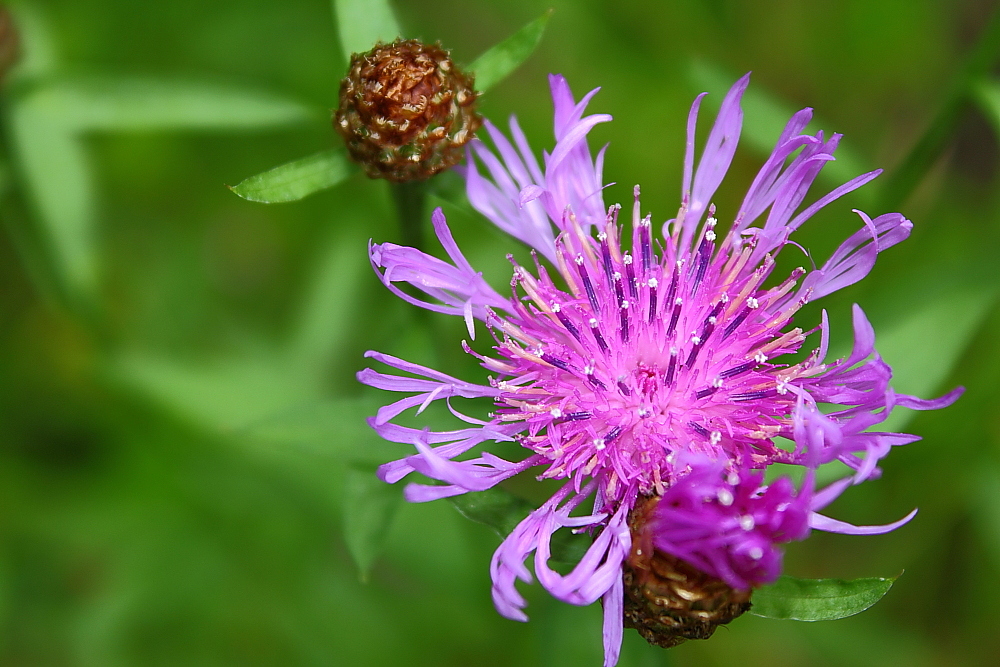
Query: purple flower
(729,525)
(654,371)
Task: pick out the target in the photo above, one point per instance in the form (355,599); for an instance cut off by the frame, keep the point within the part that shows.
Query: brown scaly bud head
(667,600)
(406,111)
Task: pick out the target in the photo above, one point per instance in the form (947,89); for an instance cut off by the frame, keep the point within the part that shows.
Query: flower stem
(409,198)
(901,183)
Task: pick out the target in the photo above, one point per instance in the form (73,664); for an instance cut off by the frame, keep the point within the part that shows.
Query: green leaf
(977,63)
(923,347)
(325,314)
(987,93)
(984,496)
(818,599)
(502,511)
(57,177)
(362,23)
(503,58)
(765,117)
(298,179)
(333,427)
(369,507)
(114,103)
(47,122)
(224,395)
(40,58)
(497,508)
(263,400)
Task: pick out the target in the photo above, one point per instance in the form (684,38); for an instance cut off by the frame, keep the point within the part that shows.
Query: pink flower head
(728,524)
(631,363)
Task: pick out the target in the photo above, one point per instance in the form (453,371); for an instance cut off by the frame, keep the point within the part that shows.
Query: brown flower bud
(406,110)
(668,600)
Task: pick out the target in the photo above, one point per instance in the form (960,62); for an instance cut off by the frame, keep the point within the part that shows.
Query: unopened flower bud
(406,111)
(668,600)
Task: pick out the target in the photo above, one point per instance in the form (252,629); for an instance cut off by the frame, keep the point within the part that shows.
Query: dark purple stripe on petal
(752,395)
(589,287)
(707,391)
(594,381)
(652,304)
(555,361)
(671,367)
(673,318)
(632,285)
(569,326)
(699,428)
(732,326)
(736,370)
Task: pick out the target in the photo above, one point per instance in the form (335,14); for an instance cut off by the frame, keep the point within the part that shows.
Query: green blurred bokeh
(182,440)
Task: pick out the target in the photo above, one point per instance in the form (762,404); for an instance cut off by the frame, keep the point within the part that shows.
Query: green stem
(410,198)
(901,183)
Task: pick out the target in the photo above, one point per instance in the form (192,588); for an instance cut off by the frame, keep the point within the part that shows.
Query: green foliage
(502,511)
(144,104)
(297,179)
(49,122)
(503,58)
(497,508)
(54,165)
(924,347)
(362,23)
(794,599)
(987,94)
(369,507)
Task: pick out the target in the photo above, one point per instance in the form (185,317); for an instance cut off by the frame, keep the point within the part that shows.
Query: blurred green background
(185,475)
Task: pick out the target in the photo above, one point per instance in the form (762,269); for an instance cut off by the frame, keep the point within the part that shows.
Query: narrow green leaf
(369,507)
(325,314)
(298,179)
(57,176)
(978,62)
(818,599)
(40,58)
(333,427)
(362,23)
(765,117)
(47,122)
(502,511)
(497,508)
(923,347)
(501,59)
(984,496)
(112,103)
(225,395)
(987,93)
(265,402)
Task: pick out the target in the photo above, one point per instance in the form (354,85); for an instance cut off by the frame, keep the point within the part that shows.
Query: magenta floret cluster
(635,360)
(729,524)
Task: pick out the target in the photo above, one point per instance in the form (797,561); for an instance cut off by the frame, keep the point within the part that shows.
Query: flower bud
(406,110)
(668,600)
